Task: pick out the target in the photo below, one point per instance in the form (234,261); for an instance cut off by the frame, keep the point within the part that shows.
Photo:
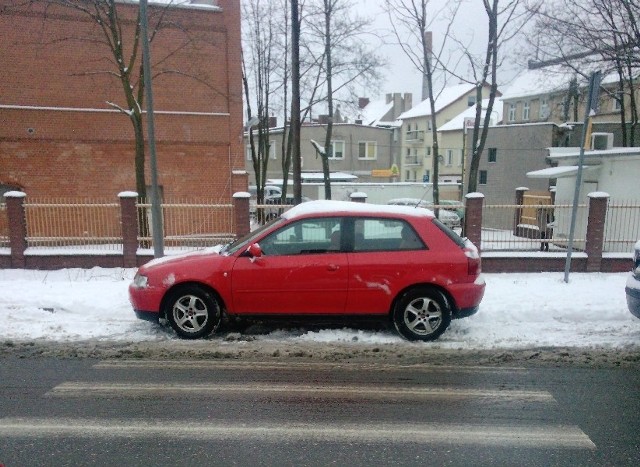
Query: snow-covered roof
(323,206)
(457,122)
(315,177)
(559,172)
(546,80)
(445,98)
(375,111)
(569,153)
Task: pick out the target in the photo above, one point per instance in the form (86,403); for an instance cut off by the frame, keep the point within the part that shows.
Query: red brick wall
(91,152)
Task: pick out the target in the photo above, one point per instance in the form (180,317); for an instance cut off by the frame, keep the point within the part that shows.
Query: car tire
(193,312)
(422,314)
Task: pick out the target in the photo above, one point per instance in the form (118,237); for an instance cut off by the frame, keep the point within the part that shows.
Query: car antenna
(422,199)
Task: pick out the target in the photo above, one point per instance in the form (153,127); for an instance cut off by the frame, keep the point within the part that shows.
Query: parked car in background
(278,206)
(319,260)
(453,206)
(447,217)
(633,284)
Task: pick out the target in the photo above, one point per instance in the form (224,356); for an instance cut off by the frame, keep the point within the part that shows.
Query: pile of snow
(518,311)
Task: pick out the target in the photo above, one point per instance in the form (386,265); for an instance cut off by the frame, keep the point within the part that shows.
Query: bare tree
(505,19)
(585,35)
(411,21)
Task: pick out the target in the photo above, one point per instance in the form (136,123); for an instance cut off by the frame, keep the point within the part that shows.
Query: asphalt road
(192,412)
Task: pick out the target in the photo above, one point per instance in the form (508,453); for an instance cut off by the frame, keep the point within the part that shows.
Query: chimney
(273,122)
(323,119)
(363,102)
(389,98)
(408,101)
(397,104)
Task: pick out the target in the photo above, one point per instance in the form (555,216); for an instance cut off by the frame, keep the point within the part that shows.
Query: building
(62,133)
(416,137)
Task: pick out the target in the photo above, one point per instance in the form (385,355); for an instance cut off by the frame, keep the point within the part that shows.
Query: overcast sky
(401,75)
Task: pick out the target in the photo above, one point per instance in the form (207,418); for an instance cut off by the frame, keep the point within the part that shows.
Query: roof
(374,111)
(457,122)
(445,98)
(570,153)
(338,207)
(316,177)
(560,172)
(548,80)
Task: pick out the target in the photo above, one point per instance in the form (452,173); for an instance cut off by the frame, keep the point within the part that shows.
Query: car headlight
(140,281)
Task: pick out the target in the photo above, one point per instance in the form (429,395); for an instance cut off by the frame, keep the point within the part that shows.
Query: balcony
(412,160)
(414,136)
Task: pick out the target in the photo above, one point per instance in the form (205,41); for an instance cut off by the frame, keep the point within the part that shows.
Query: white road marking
(269,366)
(538,436)
(82,389)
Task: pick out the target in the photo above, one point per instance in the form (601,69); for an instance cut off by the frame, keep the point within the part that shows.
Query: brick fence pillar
(473,218)
(129,225)
(17,227)
(242,224)
(239,181)
(598,202)
(358,197)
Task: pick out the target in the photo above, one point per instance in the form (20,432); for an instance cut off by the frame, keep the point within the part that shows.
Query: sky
(518,311)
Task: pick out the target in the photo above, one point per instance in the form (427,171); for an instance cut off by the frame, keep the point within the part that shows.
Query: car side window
(308,236)
(385,235)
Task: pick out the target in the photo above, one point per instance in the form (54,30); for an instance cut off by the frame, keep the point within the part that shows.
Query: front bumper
(152,316)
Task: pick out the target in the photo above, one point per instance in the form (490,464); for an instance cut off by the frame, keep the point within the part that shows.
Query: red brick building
(59,136)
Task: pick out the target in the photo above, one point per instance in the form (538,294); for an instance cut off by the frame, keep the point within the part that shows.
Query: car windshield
(238,244)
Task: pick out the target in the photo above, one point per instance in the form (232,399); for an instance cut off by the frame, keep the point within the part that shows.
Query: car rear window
(457,239)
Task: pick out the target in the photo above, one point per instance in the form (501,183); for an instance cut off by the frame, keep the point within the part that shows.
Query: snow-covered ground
(519,311)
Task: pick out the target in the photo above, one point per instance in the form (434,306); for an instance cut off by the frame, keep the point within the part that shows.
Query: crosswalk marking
(270,366)
(84,389)
(539,436)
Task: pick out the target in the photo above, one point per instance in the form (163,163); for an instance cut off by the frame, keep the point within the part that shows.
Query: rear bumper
(466,312)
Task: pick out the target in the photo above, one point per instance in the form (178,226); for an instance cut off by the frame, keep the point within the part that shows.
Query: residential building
(416,135)
(62,132)
(358,151)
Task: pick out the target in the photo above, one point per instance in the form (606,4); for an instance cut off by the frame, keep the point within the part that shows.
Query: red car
(321,259)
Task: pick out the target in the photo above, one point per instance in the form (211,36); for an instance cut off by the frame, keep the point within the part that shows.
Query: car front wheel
(193,312)
(422,314)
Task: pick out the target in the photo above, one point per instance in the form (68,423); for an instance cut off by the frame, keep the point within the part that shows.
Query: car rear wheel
(422,314)
(193,312)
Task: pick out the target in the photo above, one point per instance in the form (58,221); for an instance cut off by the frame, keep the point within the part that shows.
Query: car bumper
(633,295)
(145,300)
(153,316)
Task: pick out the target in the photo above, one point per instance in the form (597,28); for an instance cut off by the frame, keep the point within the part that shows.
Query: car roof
(330,207)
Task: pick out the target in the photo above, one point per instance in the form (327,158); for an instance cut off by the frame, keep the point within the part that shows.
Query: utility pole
(295,101)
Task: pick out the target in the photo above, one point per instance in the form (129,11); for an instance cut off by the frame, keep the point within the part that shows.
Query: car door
(386,255)
(303,270)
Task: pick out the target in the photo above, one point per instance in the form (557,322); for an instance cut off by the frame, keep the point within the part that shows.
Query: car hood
(185,259)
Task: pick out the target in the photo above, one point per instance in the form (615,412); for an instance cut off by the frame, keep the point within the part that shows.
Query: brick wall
(71,143)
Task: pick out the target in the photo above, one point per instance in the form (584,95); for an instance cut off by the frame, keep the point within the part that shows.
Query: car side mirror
(254,250)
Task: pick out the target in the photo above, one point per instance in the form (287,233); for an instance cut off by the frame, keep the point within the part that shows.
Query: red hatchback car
(321,259)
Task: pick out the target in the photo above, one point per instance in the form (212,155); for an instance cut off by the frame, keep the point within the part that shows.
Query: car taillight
(474,267)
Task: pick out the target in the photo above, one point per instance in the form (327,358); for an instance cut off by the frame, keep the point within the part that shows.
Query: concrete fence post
(242,225)
(598,202)
(129,226)
(473,218)
(17,227)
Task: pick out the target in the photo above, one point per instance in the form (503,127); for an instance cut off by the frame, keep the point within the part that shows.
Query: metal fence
(516,228)
(188,224)
(622,226)
(72,223)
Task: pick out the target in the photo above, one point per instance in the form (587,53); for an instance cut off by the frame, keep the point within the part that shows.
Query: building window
(367,150)
(408,127)
(493,154)
(461,160)
(449,156)
(471,100)
(617,104)
(428,151)
(427,176)
(483,177)
(512,112)
(526,107)
(429,124)
(337,150)
(544,109)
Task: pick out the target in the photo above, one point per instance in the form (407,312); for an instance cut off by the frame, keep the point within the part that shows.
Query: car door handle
(333,267)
